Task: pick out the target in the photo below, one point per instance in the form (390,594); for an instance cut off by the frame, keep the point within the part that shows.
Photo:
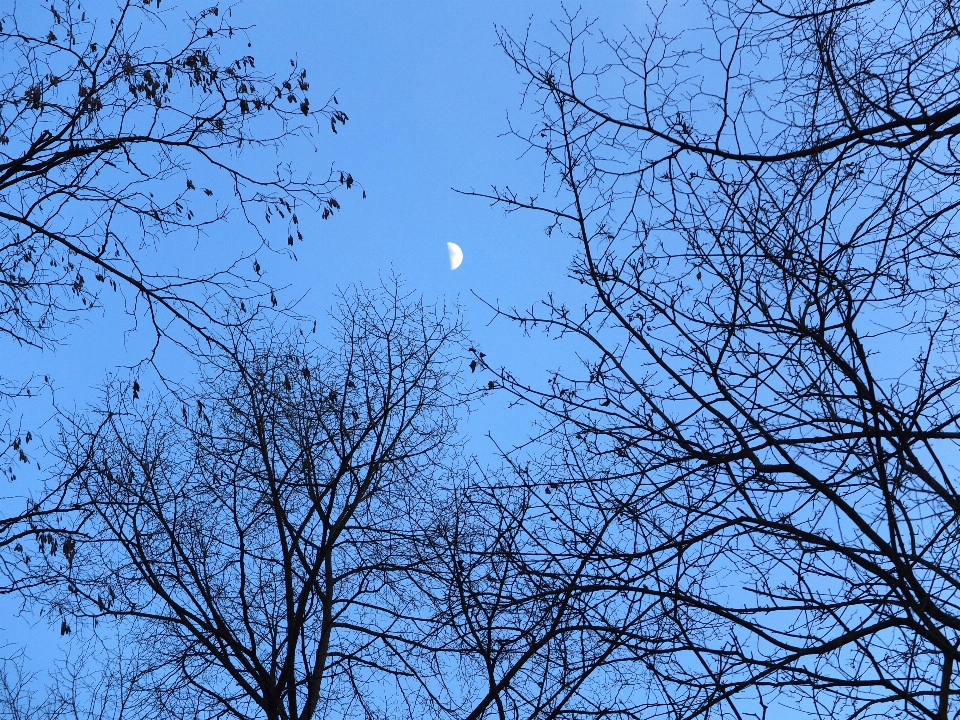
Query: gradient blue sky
(428,92)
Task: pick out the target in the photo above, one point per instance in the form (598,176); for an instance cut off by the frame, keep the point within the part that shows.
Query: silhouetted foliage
(748,491)
(76,688)
(113,131)
(124,131)
(258,539)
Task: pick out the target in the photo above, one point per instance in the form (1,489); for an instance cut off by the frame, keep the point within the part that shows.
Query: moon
(456,255)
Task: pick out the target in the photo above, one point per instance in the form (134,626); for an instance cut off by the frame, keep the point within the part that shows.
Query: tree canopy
(756,454)
(128,133)
(738,503)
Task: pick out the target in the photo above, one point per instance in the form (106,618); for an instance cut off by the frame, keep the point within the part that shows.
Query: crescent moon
(456,255)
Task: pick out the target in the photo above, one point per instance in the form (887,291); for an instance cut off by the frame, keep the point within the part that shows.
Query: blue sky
(428,92)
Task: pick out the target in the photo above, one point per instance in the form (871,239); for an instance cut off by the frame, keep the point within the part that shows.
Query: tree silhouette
(123,133)
(258,543)
(752,470)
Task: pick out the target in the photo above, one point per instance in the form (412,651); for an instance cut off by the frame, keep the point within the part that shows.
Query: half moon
(456,255)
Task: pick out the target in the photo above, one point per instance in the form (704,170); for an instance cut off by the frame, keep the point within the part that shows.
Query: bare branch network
(752,474)
(126,137)
(117,132)
(740,504)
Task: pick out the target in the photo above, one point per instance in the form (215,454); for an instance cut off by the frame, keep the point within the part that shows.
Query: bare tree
(527,623)
(257,545)
(75,688)
(757,452)
(123,132)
